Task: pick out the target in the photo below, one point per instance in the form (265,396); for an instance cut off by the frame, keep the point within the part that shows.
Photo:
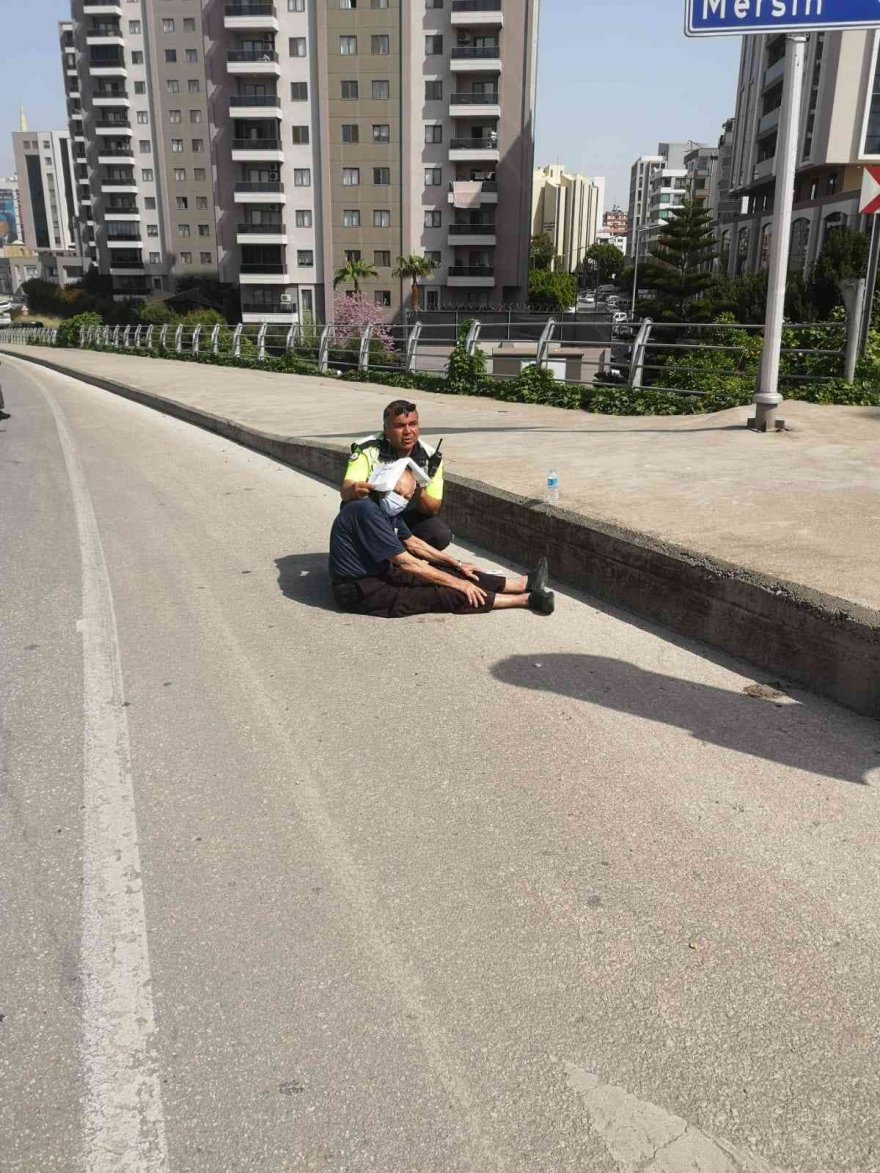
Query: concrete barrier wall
(827,644)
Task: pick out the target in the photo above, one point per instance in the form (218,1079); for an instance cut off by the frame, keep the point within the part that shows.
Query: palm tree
(354,272)
(411,268)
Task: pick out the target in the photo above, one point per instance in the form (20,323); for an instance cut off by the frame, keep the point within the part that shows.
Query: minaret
(22,121)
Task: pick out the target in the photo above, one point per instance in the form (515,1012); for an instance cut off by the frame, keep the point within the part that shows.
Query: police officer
(399,441)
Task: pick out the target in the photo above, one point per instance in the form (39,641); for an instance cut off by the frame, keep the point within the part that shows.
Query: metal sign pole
(871,289)
(767,398)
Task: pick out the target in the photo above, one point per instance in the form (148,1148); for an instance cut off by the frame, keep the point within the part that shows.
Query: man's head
(406,486)
(401,426)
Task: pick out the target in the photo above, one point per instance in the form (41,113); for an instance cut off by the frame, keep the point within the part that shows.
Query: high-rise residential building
(658,185)
(700,164)
(616,222)
(49,206)
(269,143)
(10,210)
(568,208)
(839,134)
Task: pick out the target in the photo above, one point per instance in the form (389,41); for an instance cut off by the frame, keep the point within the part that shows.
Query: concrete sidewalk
(797,513)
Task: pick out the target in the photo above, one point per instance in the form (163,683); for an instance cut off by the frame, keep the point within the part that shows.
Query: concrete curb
(827,644)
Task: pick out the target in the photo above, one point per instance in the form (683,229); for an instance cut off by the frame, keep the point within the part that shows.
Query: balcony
(106,9)
(470,276)
(260,192)
(461,190)
(116,212)
(250,14)
(255,106)
(253,61)
(118,186)
(770,121)
(468,13)
(475,59)
(115,154)
(765,169)
(106,61)
(263,273)
(274,311)
(257,150)
(475,106)
(111,97)
(104,34)
(112,126)
(125,264)
(475,234)
(474,150)
(269,232)
(128,240)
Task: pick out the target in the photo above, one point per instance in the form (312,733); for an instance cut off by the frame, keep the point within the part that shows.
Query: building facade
(569,209)
(839,135)
(10,210)
(658,187)
(616,222)
(265,144)
(49,205)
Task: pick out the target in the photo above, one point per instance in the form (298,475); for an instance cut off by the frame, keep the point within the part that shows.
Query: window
(352,254)
(302,217)
(296,46)
(199,174)
(433,91)
(180,175)
(134,27)
(432,299)
(147,174)
(174,116)
(349,90)
(198,145)
(182,203)
(299,91)
(381,133)
(378,3)
(143,117)
(168,24)
(348,3)
(348,46)
(382,297)
(195,116)
(189,24)
(170,57)
(183,229)
(433,176)
(137,57)
(382,259)
(172,85)
(177,145)
(305,258)
(140,87)
(296,5)
(380,46)
(381,176)
(193,85)
(351,176)
(204,229)
(155,258)
(433,46)
(434,4)
(186,258)
(201,203)
(300,135)
(350,132)
(149,203)
(302,177)
(433,219)
(351,218)
(381,90)
(381,218)
(152,230)
(434,254)
(433,134)
(205,258)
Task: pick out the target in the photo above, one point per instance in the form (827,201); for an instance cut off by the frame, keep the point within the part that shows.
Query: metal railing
(472,229)
(474,99)
(476,5)
(256,144)
(274,185)
(250,8)
(261,55)
(477,52)
(275,228)
(269,100)
(471,271)
(474,144)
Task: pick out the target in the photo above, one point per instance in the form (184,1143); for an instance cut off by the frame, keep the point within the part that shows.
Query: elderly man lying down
(377,566)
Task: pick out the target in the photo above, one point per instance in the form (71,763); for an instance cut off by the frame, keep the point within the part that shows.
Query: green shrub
(68,331)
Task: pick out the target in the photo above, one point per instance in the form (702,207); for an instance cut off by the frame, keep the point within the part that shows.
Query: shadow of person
(304,578)
(792,734)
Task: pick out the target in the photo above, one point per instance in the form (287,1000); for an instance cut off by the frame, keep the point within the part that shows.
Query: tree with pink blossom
(352,313)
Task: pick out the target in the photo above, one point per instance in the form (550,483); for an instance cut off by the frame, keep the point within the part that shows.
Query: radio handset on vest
(435,461)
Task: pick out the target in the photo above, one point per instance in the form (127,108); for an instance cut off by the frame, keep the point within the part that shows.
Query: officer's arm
(355,487)
(430,499)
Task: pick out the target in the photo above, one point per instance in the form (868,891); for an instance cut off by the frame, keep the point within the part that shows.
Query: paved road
(290,890)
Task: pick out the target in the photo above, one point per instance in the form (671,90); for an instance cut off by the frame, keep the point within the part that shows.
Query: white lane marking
(124,1122)
(643,1138)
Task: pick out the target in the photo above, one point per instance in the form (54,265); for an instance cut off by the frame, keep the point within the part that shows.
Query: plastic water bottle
(552,487)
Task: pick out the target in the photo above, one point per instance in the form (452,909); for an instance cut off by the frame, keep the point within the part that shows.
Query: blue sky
(615,78)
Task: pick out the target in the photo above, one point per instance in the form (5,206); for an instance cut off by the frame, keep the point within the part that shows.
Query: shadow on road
(790,734)
(304,578)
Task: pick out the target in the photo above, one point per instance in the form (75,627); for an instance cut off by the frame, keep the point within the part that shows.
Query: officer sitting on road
(400,440)
(378,566)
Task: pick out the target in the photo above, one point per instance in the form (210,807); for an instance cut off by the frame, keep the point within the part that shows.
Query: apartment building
(568,208)
(265,144)
(839,134)
(49,210)
(616,222)
(657,187)
(700,164)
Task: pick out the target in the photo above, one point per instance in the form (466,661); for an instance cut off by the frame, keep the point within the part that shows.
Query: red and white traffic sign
(870,201)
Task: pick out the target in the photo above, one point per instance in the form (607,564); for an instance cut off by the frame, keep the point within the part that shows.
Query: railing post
(126,336)
(236,341)
(364,351)
(150,337)
(412,346)
(215,339)
(473,337)
(178,340)
(637,357)
(324,349)
(116,330)
(290,340)
(197,333)
(544,343)
(82,335)
(261,342)
(137,337)
(853,291)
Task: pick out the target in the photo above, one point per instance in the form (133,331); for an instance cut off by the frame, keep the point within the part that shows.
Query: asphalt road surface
(284,889)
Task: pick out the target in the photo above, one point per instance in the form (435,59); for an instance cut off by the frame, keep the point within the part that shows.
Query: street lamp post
(639,231)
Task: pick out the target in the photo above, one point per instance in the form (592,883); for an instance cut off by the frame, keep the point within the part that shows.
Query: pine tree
(680,265)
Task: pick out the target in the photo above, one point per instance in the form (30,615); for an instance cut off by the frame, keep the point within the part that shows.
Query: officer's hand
(474,594)
(360,490)
(469,571)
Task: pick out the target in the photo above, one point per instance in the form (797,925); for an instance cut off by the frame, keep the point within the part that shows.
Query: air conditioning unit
(286,299)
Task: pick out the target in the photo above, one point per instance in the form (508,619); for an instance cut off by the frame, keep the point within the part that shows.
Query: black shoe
(537,580)
(4,415)
(542,602)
